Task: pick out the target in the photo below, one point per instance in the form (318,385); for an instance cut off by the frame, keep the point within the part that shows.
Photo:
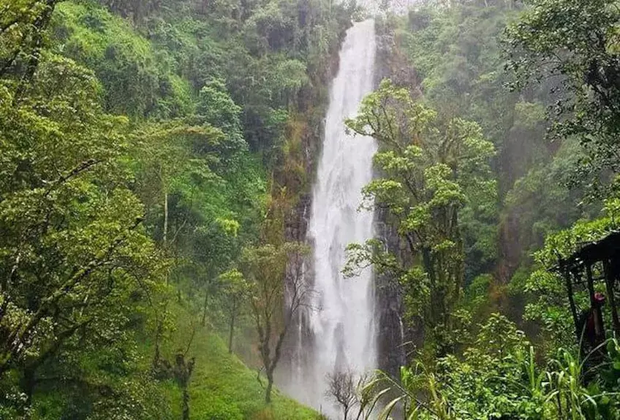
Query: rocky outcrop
(389,307)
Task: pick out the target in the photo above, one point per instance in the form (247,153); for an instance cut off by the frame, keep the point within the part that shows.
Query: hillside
(222,386)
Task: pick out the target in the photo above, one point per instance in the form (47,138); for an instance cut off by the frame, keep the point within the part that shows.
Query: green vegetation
(222,386)
(141,143)
(539,81)
(432,170)
(154,160)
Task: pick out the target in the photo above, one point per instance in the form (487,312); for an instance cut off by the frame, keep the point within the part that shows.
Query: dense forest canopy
(157,159)
(537,80)
(141,143)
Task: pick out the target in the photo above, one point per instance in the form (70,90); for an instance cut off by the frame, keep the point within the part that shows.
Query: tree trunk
(158,334)
(183,374)
(232,330)
(185,404)
(204,308)
(165,234)
(269,387)
(28,383)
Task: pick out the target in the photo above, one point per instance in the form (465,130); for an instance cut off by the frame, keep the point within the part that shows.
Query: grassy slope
(222,387)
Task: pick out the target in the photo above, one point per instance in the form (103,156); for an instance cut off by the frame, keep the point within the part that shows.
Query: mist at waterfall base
(340,316)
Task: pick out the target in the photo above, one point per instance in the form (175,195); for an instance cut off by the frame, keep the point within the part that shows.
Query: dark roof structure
(590,253)
(600,258)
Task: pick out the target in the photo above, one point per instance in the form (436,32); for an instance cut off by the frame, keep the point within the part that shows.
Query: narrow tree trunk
(185,403)
(183,373)
(28,383)
(158,334)
(232,330)
(269,387)
(165,234)
(204,308)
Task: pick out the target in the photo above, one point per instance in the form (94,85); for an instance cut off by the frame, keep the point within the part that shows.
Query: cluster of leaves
(268,55)
(77,265)
(576,43)
(456,53)
(458,57)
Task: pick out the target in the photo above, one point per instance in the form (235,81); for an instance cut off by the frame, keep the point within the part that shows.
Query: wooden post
(571,298)
(609,284)
(599,329)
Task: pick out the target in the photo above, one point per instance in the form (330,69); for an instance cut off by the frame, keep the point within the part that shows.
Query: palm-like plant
(527,392)
(417,395)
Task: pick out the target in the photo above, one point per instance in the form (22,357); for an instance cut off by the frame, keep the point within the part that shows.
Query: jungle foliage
(140,143)
(498,157)
(154,154)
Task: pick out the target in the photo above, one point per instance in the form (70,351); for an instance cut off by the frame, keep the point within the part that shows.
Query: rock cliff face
(389,308)
(396,338)
(299,340)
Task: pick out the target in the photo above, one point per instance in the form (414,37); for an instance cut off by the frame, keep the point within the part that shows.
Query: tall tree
(236,290)
(430,170)
(278,292)
(342,387)
(576,43)
(275,272)
(72,250)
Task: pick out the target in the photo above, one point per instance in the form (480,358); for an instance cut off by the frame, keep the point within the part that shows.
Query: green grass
(222,387)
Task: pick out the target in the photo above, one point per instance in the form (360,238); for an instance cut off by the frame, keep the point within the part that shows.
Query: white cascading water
(341,315)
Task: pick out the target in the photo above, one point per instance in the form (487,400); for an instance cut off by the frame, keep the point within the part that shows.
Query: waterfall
(340,318)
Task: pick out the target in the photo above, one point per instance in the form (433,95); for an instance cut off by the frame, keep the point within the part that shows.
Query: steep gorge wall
(394,340)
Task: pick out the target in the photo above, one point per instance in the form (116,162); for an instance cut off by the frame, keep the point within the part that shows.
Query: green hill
(222,387)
